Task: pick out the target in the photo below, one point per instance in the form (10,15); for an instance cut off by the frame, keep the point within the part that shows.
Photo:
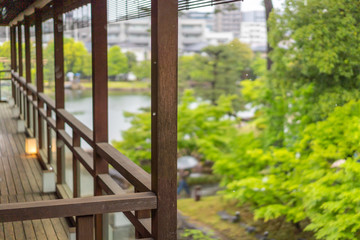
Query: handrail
(78,126)
(77,206)
(49,102)
(132,172)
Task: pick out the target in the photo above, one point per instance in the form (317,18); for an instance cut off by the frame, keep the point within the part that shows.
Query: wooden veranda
(28,213)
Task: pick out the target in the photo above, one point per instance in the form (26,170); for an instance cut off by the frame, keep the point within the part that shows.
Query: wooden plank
(8,227)
(48,227)
(132,172)
(28,226)
(59,224)
(164,91)
(85,227)
(77,206)
(18,226)
(37,224)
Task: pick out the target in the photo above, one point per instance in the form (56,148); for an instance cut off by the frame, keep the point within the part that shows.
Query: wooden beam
(85,227)
(77,206)
(100,93)
(59,81)
(164,57)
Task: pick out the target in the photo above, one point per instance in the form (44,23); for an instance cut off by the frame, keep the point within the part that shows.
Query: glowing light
(30,146)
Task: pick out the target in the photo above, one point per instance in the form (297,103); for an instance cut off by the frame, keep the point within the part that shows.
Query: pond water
(79,103)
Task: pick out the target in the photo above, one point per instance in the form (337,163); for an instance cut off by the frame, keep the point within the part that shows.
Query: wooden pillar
(20,65)
(100,93)
(59,79)
(27,67)
(13,48)
(164,58)
(85,227)
(13,58)
(39,70)
(20,50)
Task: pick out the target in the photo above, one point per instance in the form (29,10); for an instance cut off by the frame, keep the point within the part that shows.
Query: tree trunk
(268,8)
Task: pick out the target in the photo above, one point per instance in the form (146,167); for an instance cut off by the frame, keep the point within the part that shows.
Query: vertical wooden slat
(76,167)
(20,50)
(27,66)
(164,34)
(13,58)
(85,228)
(14,48)
(100,93)
(39,70)
(59,80)
(20,65)
(48,136)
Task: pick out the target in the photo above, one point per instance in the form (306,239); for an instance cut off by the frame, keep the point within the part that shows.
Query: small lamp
(30,146)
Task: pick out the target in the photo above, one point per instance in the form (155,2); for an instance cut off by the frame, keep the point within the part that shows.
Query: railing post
(39,70)
(85,227)
(13,59)
(100,93)
(59,79)
(164,58)
(76,167)
(27,67)
(20,50)
(49,138)
(20,65)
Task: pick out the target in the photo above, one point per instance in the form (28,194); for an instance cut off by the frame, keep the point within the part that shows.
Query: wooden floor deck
(20,181)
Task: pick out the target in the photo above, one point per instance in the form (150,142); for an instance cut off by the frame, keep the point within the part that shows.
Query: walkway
(20,181)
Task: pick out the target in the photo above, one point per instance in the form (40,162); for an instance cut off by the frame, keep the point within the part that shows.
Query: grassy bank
(205,212)
(127,86)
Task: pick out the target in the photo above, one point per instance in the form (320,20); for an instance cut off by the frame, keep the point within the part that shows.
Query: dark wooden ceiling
(9,9)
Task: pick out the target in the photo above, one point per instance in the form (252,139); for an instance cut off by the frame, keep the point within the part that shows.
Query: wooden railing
(143,199)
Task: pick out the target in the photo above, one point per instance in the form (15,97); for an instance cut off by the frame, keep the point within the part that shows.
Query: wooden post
(13,58)
(76,167)
(164,58)
(20,50)
(85,227)
(39,70)
(59,80)
(100,93)
(20,64)
(27,67)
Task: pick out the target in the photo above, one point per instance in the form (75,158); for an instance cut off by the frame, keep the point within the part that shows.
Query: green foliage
(217,70)
(76,57)
(204,130)
(197,234)
(131,59)
(300,183)
(117,61)
(142,70)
